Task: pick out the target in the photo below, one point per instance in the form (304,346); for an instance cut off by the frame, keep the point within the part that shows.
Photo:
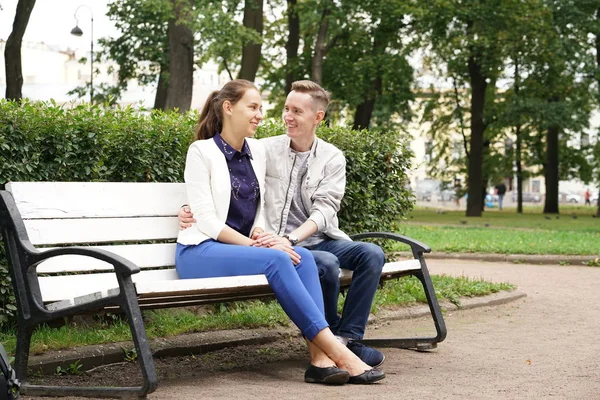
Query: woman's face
(246,114)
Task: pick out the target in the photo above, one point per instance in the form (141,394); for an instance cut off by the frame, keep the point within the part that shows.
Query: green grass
(249,314)
(506,232)
(502,240)
(532,218)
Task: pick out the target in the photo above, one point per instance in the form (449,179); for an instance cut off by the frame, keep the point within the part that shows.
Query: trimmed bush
(42,141)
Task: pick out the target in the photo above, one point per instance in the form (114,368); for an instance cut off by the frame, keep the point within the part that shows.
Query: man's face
(301,115)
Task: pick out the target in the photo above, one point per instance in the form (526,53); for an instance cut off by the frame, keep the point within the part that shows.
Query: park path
(542,346)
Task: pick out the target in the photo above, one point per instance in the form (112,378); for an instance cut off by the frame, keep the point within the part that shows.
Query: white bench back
(58,213)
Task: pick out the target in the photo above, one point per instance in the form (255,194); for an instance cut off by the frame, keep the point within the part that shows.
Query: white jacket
(322,188)
(208,187)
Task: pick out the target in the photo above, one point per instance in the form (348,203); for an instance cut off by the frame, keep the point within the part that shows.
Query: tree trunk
(475,171)
(519,171)
(320,47)
(518,154)
(161,89)
(551,170)
(181,59)
(364,111)
(12,52)
(291,47)
(598,65)
(251,52)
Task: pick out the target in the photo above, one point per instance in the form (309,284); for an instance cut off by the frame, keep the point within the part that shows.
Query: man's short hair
(321,96)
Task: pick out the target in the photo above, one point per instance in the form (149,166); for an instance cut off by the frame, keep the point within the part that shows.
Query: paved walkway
(543,346)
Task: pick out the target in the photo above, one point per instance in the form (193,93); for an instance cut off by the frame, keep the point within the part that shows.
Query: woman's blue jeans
(296,287)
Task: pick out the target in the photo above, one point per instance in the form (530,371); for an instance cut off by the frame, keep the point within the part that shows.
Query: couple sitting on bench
(252,202)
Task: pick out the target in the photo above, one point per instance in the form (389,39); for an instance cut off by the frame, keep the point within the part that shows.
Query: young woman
(225,180)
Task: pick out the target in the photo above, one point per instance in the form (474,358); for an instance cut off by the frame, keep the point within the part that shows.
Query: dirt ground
(539,347)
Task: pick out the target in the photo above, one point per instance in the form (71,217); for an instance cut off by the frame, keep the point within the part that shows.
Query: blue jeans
(297,288)
(366,260)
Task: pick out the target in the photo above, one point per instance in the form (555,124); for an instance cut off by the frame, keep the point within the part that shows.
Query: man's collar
(313,147)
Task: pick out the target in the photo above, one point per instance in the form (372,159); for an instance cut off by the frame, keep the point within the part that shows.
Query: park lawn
(248,314)
(506,232)
(532,218)
(502,240)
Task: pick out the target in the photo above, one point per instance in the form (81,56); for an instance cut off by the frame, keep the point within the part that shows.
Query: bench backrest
(122,217)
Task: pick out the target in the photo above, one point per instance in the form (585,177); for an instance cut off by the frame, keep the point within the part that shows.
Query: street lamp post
(78,32)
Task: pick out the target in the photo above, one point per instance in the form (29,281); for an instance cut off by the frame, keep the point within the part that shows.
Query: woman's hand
(272,241)
(186,218)
(295,257)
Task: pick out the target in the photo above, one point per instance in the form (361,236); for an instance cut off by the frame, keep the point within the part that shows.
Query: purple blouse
(245,190)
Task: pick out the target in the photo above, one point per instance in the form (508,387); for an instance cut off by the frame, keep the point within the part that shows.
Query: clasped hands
(259,237)
(272,241)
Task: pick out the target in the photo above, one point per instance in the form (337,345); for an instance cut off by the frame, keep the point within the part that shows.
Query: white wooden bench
(126,234)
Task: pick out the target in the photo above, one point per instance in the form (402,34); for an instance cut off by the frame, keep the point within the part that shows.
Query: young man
(305,184)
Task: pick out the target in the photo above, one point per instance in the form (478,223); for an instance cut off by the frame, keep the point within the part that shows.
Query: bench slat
(143,255)
(166,282)
(96,199)
(68,231)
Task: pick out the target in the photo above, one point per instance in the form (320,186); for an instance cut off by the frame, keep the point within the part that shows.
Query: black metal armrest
(415,245)
(123,266)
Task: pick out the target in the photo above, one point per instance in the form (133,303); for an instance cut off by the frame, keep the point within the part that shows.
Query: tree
(12,52)
(292,44)
(468,38)
(367,65)
(181,57)
(251,50)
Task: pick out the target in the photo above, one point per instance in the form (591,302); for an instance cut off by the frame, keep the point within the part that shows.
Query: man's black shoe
(370,376)
(327,375)
(368,355)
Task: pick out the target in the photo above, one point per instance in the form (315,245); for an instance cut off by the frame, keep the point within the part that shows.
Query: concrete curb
(204,342)
(547,259)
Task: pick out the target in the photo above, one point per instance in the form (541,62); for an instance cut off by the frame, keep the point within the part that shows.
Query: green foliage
(48,142)
(75,368)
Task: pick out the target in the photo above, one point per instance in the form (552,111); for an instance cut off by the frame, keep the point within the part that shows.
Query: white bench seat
(68,290)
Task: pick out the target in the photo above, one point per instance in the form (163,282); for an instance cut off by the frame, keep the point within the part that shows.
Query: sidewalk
(543,346)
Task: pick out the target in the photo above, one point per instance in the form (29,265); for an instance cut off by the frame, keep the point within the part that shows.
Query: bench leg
(24,332)
(419,343)
(131,307)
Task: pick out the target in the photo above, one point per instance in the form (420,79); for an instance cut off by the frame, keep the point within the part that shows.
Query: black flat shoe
(327,375)
(370,376)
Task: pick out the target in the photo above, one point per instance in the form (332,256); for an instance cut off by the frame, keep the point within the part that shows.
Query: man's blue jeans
(366,260)
(296,287)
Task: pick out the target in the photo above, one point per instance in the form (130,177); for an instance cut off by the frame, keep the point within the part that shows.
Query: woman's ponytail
(210,121)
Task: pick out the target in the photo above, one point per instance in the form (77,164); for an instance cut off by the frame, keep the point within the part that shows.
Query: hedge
(43,141)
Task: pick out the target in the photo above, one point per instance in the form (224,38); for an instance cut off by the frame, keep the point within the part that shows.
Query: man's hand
(256,232)
(186,218)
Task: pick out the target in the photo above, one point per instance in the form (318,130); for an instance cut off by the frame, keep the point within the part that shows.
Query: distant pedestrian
(587,197)
(500,192)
